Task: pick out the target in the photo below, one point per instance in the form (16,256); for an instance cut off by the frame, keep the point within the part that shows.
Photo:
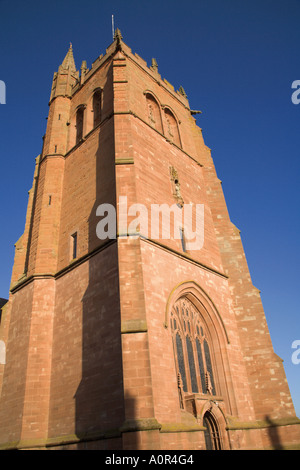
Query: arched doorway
(211,434)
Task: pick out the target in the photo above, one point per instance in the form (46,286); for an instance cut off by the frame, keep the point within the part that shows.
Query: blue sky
(236,61)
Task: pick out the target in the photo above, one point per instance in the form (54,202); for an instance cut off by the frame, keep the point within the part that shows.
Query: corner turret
(66,77)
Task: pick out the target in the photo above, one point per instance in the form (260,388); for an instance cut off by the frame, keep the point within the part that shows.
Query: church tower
(132,321)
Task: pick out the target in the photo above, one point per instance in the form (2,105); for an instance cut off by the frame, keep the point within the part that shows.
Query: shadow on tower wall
(99,399)
(273,434)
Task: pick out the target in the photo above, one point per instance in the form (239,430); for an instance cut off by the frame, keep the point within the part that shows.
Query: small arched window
(79,124)
(172,131)
(97,106)
(154,115)
(193,348)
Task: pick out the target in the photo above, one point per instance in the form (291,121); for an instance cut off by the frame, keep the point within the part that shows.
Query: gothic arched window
(153,110)
(172,131)
(193,348)
(97,107)
(79,124)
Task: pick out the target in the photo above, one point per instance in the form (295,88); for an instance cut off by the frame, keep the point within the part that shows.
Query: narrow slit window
(182,238)
(74,245)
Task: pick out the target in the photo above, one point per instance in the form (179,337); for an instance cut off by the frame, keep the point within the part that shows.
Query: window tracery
(163,121)
(193,349)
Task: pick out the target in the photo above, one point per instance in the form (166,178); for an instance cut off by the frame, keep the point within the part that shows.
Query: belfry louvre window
(79,124)
(172,131)
(97,107)
(192,348)
(154,115)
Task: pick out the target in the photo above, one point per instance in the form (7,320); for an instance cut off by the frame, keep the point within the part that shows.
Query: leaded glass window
(193,348)
(192,365)
(180,360)
(201,364)
(209,366)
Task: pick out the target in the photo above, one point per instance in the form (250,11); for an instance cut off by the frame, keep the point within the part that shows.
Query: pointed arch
(192,314)
(93,114)
(97,106)
(196,353)
(197,295)
(171,126)
(77,129)
(79,124)
(213,419)
(153,111)
(211,433)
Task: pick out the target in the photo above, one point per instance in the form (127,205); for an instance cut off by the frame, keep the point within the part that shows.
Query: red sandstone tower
(133,342)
